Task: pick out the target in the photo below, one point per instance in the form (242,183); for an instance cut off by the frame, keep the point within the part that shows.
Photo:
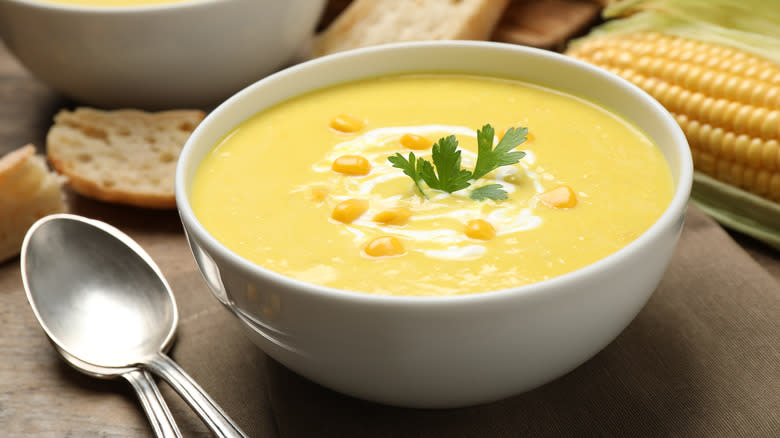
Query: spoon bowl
(95,299)
(107,308)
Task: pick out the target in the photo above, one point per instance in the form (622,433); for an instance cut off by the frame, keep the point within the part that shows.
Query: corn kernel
(349,210)
(347,123)
(415,142)
(725,100)
(384,246)
(393,216)
(351,165)
(480,229)
(318,194)
(559,197)
(774,183)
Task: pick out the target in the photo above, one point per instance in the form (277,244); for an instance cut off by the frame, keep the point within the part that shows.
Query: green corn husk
(749,25)
(737,209)
(752,26)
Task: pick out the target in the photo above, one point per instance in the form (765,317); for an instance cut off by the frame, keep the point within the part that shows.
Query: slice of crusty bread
(373,22)
(121,156)
(546,24)
(28,191)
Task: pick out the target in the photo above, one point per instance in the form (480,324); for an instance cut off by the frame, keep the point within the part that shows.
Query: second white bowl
(192,53)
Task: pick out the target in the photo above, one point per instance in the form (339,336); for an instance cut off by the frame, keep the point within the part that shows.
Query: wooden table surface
(39,394)
(34,381)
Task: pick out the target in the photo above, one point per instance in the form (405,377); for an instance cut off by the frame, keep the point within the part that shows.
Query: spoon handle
(156,409)
(206,408)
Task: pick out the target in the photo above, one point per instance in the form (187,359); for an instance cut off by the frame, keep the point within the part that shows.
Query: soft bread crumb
(28,192)
(373,22)
(122,156)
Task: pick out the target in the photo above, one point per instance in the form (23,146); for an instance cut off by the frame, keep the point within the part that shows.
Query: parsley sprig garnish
(445,173)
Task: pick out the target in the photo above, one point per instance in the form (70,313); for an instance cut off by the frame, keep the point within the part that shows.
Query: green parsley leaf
(448,177)
(446,174)
(410,168)
(489,159)
(489,191)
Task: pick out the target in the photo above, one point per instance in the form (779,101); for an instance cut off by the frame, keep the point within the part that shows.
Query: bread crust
(548,24)
(372,22)
(13,161)
(122,156)
(28,191)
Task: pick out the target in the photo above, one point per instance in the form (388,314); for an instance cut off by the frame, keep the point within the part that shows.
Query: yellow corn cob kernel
(318,194)
(726,101)
(384,246)
(349,210)
(480,229)
(347,123)
(393,216)
(415,142)
(559,197)
(351,165)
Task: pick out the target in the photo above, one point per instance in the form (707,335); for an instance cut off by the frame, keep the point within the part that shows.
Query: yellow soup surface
(305,187)
(110,3)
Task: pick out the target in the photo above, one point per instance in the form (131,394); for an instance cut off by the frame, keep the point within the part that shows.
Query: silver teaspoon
(160,417)
(103,301)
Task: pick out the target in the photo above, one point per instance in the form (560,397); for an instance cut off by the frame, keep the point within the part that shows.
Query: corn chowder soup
(358,186)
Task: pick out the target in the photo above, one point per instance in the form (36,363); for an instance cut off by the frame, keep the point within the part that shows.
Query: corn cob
(726,101)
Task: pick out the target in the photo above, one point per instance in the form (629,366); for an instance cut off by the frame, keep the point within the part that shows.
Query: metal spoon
(160,418)
(154,405)
(104,303)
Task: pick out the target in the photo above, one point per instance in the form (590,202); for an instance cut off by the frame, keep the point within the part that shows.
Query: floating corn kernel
(349,210)
(318,194)
(384,246)
(347,123)
(727,101)
(559,197)
(351,165)
(415,142)
(393,216)
(480,229)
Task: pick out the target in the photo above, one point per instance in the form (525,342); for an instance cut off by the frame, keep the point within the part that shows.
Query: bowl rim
(112,9)
(670,217)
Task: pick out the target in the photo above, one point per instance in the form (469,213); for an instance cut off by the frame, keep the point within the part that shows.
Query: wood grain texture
(40,395)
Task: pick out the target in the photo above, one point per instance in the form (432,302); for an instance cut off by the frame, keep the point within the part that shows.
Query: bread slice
(122,156)
(548,24)
(28,191)
(373,22)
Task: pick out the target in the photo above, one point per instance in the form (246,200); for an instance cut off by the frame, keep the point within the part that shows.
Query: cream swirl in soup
(436,226)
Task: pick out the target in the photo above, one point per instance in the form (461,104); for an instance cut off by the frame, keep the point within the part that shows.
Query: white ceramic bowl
(194,53)
(441,351)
